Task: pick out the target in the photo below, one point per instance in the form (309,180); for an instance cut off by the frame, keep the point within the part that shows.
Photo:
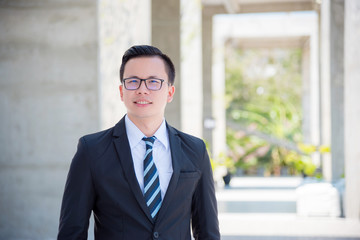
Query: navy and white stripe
(152,191)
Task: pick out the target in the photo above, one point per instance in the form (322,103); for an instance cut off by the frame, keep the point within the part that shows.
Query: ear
(121,92)
(171,92)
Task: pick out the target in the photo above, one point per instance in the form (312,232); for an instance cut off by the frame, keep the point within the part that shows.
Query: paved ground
(265,209)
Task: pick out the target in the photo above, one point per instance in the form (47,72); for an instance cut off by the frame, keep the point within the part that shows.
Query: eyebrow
(134,76)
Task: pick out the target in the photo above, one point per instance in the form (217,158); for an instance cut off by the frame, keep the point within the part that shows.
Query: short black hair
(147,51)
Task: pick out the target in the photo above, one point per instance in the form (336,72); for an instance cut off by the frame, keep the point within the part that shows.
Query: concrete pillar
(191,68)
(352,109)
(219,107)
(310,97)
(311,94)
(48,98)
(315,91)
(165,34)
(207,40)
(306,92)
(59,64)
(332,85)
(213,123)
(218,94)
(121,25)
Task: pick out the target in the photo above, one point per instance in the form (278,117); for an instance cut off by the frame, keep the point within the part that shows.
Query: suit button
(156,235)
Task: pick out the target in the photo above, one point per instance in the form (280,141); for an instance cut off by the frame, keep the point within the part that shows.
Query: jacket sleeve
(78,198)
(205,224)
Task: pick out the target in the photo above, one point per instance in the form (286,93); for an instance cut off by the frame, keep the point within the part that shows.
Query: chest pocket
(188,182)
(194,174)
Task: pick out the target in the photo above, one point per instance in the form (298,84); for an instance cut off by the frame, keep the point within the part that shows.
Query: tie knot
(149,140)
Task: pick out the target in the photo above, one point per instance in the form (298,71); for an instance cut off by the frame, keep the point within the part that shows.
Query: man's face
(145,104)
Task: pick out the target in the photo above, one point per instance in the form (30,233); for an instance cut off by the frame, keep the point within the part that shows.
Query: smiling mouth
(143,102)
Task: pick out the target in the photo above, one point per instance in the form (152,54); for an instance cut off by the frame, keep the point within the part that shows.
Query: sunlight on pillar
(191,68)
(115,37)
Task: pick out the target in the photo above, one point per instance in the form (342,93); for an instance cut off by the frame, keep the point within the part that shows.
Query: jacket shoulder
(190,138)
(98,137)
(190,141)
(96,144)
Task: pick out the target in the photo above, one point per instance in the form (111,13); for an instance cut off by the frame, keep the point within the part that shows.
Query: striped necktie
(152,191)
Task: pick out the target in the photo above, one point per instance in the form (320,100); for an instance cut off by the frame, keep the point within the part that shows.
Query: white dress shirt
(161,154)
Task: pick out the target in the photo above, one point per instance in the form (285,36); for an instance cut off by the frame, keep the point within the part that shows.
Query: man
(142,179)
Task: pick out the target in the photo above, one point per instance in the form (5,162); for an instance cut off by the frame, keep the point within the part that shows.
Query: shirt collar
(135,135)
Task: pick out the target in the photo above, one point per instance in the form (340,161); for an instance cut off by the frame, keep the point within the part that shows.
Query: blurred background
(272,86)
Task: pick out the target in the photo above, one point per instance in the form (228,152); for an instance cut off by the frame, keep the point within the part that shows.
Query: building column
(59,78)
(310,95)
(306,92)
(191,68)
(218,95)
(115,37)
(332,86)
(165,34)
(207,40)
(49,98)
(214,119)
(352,109)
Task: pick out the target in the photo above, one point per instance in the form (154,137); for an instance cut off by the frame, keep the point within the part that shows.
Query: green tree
(263,102)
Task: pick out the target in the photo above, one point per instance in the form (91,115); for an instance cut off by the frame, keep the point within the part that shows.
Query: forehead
(147,65)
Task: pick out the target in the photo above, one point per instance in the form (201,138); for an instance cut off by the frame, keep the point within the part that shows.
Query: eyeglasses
(134,83)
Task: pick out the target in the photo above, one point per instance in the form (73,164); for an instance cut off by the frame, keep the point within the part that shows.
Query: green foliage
(263,93)
(245,150)
(263,87)
(226,161)
(300,164)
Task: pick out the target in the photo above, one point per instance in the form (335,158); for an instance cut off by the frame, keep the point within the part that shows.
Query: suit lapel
(123,150)
(176,156)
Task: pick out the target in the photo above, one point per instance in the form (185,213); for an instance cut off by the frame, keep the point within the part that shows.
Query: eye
(132,80)
(154,81)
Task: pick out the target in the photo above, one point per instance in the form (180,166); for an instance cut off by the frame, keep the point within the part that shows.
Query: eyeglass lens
(134,83)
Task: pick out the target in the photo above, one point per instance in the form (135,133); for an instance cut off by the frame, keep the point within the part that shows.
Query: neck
(147,126)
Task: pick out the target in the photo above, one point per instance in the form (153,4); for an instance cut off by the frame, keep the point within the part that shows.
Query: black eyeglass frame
(143,80)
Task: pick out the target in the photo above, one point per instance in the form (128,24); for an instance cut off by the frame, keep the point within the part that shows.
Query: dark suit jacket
(102,179)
